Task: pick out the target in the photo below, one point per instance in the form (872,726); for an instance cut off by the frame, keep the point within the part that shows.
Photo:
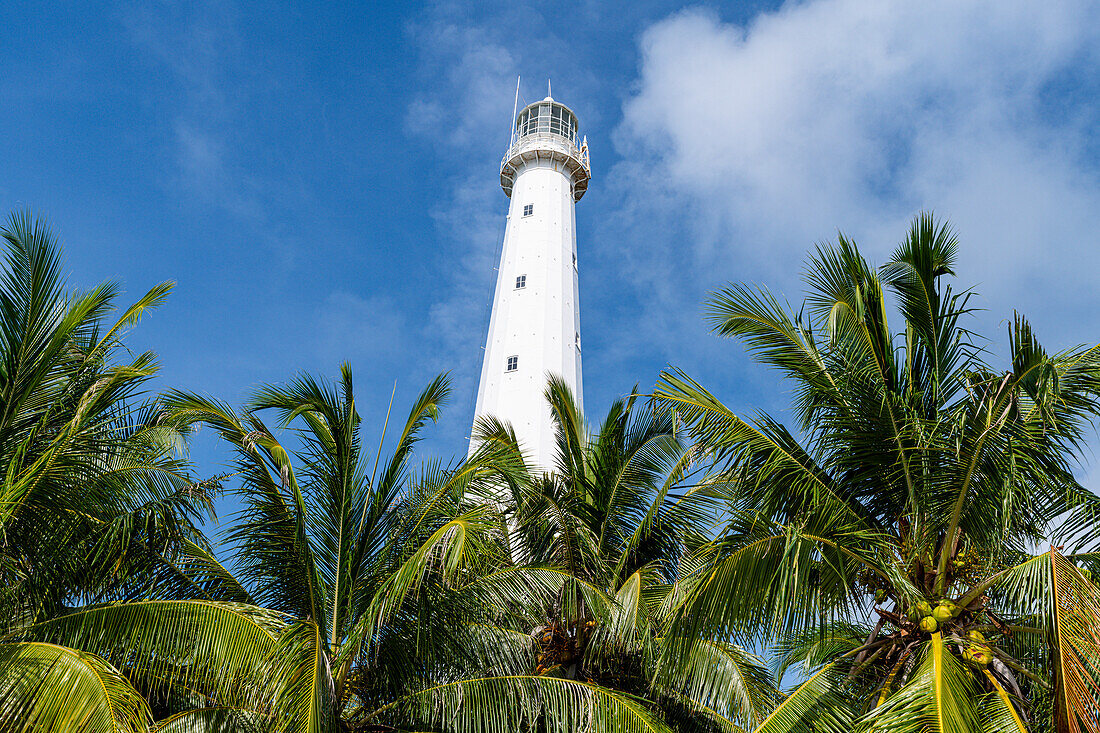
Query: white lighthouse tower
(534,329)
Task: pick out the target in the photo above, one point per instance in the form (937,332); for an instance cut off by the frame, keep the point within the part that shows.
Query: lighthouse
(534,328)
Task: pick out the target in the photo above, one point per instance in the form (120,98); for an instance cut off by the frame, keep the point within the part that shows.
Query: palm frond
(45,688)
(940,697)
(273,552)
(1076,609)
(505,704)
(220,719)
(725,678)
(998,712)
(815,705)
(215,648)
(302,682)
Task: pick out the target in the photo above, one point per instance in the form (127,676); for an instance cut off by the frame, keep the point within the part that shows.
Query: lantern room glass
(547,117)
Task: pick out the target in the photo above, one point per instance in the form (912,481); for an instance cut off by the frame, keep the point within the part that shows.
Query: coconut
(924,609)
(982,658)
(929,624)
(977,655)
(941,613)
(975,635)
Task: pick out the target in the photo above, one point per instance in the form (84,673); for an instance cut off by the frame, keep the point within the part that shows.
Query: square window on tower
(528,209)
(513,364)
(521,282)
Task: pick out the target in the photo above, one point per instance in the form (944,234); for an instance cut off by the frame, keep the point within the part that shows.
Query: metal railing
(546,141)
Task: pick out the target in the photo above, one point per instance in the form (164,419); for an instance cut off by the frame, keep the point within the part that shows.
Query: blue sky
(321,179)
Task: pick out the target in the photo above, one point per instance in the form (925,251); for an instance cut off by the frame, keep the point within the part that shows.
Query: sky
(321,180)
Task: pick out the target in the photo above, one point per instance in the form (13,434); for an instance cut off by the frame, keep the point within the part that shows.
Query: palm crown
(890,534)
(620,512)
(95,499)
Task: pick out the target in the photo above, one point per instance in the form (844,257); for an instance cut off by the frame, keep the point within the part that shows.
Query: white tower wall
(535,318)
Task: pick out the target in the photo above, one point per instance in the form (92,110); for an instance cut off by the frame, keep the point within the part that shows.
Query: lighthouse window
(555,121)
(513,364)
(528,209)
(521,282)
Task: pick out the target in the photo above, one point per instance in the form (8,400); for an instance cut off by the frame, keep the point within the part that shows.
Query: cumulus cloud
(743,141)
(854,115)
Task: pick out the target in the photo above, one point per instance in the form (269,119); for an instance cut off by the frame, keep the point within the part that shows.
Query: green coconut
(977,653)
(924,609)
(929,624)
(980,657)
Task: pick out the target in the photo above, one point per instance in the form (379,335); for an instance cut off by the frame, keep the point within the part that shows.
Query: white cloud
(473,103)
(742,145)
(855,114)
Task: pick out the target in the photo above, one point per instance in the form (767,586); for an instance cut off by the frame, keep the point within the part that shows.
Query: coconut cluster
(930,619)
(944,616)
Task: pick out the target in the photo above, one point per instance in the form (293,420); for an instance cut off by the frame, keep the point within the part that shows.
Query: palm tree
(362,593)
(890,542)
(620,512)
(94,498)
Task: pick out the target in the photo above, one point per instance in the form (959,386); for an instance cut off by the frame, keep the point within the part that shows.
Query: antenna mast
(515,108)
